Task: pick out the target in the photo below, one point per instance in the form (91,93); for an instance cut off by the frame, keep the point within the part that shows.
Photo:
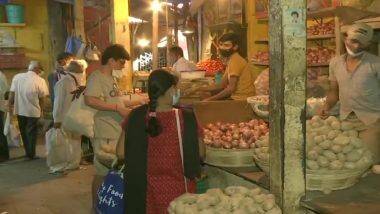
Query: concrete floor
(26,187)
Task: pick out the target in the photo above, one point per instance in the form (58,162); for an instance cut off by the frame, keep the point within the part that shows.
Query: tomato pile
(211,66)
(319,55)
(321,29)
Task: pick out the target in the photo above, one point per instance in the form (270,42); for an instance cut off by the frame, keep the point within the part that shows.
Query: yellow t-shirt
(237,66)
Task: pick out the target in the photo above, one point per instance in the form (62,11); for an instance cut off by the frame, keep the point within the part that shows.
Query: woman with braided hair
(161,162)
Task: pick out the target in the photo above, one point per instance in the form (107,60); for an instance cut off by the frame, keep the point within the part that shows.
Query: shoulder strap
(75,79)
(180,144)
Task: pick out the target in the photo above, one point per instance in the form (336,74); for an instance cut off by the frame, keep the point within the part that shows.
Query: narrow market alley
(27,187)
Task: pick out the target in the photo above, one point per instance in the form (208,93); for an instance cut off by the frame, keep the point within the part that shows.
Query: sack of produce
(233,199)
(336,156)
(262,83)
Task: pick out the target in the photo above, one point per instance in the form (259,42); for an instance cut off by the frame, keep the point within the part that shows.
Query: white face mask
(176,96)
(118,73)
(352,54)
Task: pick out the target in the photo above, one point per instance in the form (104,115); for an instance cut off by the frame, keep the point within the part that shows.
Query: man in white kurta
(62,102)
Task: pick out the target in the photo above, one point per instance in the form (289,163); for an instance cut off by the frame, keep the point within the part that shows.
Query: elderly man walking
(27,94)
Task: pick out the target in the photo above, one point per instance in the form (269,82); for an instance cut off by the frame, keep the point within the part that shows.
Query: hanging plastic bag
(80,118)
(111,194)
(74,152)
(12,132)
(56,147)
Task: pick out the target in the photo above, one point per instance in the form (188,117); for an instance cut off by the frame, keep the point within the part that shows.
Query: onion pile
(335,145)
(235,136)
(261,57)
(234,199)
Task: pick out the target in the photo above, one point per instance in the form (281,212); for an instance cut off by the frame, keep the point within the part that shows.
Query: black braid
(159,82)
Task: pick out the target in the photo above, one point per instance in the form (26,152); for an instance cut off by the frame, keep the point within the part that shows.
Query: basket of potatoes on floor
(336,156)
(261,153)
(231,200)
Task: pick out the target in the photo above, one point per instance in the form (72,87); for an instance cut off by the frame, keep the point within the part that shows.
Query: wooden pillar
(155,39)
(287,44)
(79,19)
(120,34)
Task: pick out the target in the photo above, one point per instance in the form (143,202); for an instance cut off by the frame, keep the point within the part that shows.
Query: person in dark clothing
(4,151)
(63,60)
(161,163)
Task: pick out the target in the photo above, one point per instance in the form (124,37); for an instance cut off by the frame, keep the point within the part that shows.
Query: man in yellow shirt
(237,82)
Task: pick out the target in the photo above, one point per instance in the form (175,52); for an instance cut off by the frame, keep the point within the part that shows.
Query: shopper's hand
(123,111)
(57,125)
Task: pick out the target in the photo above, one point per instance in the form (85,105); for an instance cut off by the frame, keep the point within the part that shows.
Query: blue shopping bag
(111,194)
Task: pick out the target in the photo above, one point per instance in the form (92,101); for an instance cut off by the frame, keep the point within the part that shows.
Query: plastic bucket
(15,13)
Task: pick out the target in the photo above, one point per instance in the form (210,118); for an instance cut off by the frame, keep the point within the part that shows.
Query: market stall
(329,175)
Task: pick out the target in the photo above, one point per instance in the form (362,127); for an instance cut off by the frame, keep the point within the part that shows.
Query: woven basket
(330,180)
(263,165)
(229,157)
(257,105)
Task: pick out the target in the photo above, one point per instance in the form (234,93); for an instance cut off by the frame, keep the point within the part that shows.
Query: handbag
(111,194)
(80,118)
(180,144)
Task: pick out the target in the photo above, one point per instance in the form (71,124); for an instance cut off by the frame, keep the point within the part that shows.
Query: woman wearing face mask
(237,82)
(155,152)
(355,82)
(74,78)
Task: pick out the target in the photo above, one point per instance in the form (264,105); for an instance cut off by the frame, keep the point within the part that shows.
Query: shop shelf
(319,65)
(345,13)
(363,195)
(313,37)
(321,37)
(12,25)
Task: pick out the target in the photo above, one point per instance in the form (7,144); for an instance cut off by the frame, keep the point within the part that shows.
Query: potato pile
(234,199)
(262,148)
(335,145)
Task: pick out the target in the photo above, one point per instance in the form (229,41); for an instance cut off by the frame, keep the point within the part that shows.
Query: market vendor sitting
(180,64)
(237,82)
(355,82)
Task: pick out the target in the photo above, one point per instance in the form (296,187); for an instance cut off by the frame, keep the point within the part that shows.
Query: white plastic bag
(74,151)
(56,147)
(80,118)
(12,133)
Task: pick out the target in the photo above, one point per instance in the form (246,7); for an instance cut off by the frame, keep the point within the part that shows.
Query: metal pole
(155,39)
